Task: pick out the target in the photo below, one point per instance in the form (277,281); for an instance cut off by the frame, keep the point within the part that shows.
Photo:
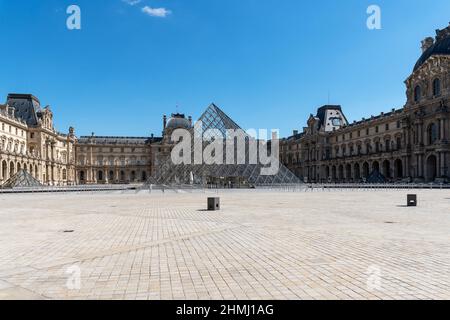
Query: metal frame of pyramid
(170,174)
(22,179)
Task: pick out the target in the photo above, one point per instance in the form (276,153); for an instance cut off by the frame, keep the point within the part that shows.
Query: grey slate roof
(26,107)
(441,47)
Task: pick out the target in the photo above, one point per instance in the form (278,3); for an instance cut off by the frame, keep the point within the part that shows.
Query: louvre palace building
(408,144)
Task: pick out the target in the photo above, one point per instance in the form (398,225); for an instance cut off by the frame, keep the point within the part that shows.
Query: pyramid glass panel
(235,174)
(22,179)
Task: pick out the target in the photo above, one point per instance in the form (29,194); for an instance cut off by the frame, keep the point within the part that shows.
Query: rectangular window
(367,131)
(387,126)
(376,129)
(398,124)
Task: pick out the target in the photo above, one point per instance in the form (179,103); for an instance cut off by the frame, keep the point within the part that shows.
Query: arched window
(64,174)
(417,94)
(388,145)
(432,133)
(399,143)
(436,87)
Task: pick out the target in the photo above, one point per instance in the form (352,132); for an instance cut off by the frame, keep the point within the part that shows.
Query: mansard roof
(26,107)
(321,112)
(118,140)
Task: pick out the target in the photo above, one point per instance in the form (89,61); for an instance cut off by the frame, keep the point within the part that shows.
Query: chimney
(164,122)
(295,132)
(427,43)
(190,120)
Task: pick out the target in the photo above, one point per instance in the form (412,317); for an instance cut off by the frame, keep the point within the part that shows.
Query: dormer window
(336,122)
(436,87)
(417,94)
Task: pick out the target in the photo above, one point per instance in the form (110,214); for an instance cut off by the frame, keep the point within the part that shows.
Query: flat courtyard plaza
(261,245)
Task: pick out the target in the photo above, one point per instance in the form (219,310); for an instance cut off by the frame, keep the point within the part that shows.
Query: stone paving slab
(261,245)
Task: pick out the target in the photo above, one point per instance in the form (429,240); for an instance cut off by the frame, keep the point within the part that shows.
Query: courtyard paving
(261,245)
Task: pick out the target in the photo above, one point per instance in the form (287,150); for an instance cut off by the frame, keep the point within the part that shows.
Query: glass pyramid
(235,174)
(22,179)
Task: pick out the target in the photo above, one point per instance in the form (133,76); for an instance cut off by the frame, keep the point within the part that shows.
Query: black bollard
(213,204)
(412,200)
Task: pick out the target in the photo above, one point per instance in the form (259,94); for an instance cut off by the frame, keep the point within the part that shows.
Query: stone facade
(29,141)
(103,160)
(123,160)
(409,144)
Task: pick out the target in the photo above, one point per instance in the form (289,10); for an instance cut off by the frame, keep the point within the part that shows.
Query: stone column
(443,166)
(421,171)
(438,165)
(421,133)
(406,168)
(442,129)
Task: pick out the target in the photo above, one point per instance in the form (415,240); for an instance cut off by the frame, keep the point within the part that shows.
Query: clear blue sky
(267,63)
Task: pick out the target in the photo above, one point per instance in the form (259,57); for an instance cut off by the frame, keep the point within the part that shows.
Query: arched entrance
(111,176)
(387,169)
(81,176)
(348,171)
(341,172)
(357,171)
(4,170)
(398,169)
(366,170)
(11,169)
(100,175)
(431,168)
(333,173)
(376,166)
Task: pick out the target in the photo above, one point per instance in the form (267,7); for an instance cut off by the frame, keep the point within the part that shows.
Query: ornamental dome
(431,48)
(178,121)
